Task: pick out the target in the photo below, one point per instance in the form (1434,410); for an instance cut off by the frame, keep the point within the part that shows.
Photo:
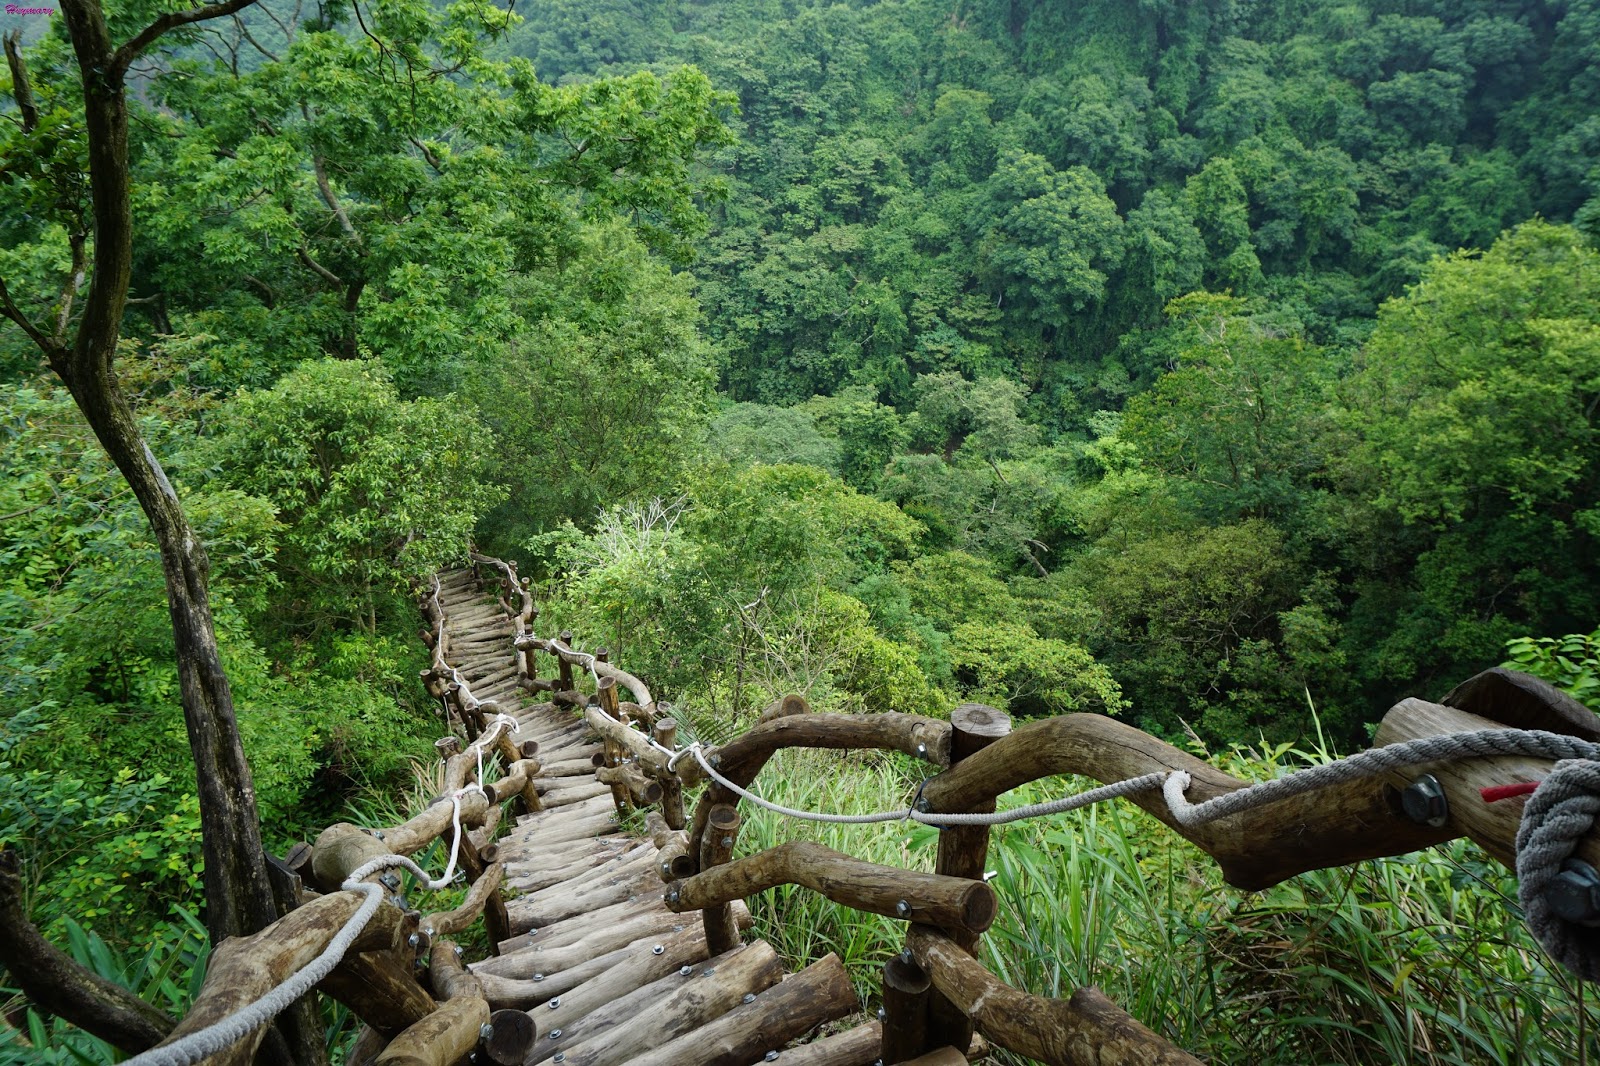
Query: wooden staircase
(607,973)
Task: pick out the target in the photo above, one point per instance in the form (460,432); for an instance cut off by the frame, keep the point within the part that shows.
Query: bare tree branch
(147,36)
(327,275)
(80,269)
(11,311)
(21,88)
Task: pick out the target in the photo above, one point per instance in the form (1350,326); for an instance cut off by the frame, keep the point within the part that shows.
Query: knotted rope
(1560,813)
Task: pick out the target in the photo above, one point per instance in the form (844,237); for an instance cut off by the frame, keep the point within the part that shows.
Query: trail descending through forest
(609,974)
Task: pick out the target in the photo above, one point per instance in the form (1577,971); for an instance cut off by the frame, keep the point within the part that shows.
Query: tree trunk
(238,894)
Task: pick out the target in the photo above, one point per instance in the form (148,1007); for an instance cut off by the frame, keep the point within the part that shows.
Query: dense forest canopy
(1228,367)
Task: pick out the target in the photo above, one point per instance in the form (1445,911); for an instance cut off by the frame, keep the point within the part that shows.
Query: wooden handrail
(561,650)
(742,758)
(948,902)
(1333,826)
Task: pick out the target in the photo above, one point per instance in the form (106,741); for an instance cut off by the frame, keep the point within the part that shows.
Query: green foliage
(1011,666)
(1478,387)
(166,971)
(86,663)
(1570,663)
(372,492)
(757,433)
(603,397)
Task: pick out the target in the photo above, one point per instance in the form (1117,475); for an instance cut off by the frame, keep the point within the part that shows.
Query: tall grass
(1419,959)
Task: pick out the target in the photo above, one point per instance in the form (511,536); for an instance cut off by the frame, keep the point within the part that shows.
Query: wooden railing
(938,999)
(404,976)
(936,995)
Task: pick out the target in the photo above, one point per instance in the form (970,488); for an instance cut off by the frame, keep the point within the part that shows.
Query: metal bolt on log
(1425,803)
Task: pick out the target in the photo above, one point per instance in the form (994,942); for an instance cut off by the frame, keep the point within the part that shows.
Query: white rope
(224,1033)
(1173,783)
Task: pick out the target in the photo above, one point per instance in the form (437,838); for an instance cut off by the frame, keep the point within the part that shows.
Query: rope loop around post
(1560,813)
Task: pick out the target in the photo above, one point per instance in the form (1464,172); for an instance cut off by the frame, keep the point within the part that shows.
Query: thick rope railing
(225,1032)
(1561,811)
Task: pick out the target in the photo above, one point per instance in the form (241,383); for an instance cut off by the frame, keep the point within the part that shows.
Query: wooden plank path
(607,973)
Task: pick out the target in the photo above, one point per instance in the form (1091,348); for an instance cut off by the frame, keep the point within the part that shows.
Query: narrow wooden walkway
(608,974)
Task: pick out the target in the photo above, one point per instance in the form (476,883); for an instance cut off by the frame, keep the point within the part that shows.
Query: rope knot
(1557,816)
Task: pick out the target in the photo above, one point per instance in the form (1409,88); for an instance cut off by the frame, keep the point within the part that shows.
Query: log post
(722,934)
(496,921)
(563,667)
(906,991)
(666,734)
(606,696)
(530,665)
(963,850)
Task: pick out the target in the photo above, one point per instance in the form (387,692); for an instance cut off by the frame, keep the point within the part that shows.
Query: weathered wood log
(1492,826)
(577,767)
(447,923)
(444,1038)
(947,902)
(637,746)
(563,834)
(518,781)
(511,1034)
(1334,826)
(1523,702)
(339,850)
(568,657)
(526,992)
(784,706)
(643,717)
(906,991)
(741,759)
(580,926)
(568,854)
(640,791)
(448,976)
(963,852)
(639,966)
(1084,1030)
(786,1011)
(654,1018)
(555,958)
(606,698)
(665,733)
(563,797)
(624,867)
(723,829)
(672,848)
(853,1047)
(637,882)
(525,877)
(379,988)
(243,969)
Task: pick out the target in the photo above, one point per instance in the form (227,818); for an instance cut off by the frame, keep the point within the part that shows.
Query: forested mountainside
(1228,367)
(1091,292)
